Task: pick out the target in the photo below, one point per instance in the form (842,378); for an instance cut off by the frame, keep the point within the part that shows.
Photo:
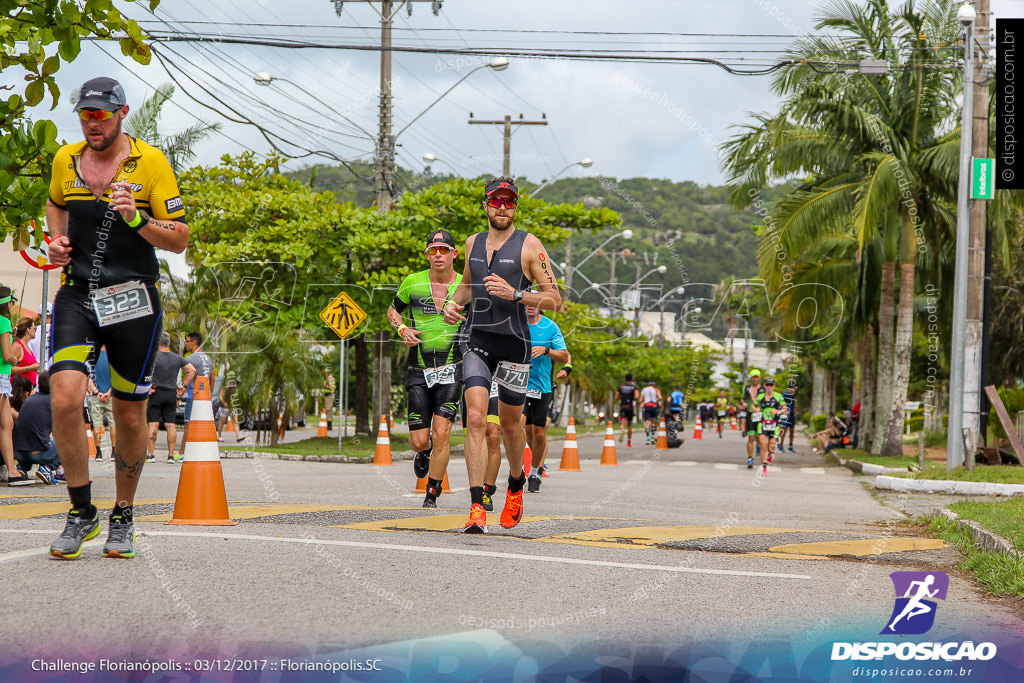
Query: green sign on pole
(983,180)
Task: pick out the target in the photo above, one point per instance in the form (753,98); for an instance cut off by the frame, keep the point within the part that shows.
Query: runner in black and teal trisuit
(435,360)
(772,406)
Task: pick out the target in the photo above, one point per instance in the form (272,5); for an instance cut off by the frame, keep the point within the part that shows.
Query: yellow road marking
(782,556)
(656,535)
(255,511)
(27,510)
(427,523)
(862,548)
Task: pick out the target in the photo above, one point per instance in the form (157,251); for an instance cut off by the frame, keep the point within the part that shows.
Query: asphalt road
(668,548)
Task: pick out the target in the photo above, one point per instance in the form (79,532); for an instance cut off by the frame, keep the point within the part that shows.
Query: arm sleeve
(61,161)
(401,300)
(164,198)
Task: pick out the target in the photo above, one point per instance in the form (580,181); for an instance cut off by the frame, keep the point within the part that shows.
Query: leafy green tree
(179,148)
(35,38)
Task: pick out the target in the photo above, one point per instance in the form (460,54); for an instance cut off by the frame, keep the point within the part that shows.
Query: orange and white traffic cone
(421,484)
(608,452)
(527,459)
(201,499)
(733,427)
(230,428)
(382,453)
(322,429)
(92,442)
(570,454)
(661,442)
(698,430)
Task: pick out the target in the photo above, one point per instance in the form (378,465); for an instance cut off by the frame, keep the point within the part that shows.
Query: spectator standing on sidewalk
(100,404)
(164,393)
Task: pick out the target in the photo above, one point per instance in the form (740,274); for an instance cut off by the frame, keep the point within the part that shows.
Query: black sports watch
(517,296)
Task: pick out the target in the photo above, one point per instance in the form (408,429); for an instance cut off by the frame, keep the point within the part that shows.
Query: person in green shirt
(15,477)
(772,405)
(435,359)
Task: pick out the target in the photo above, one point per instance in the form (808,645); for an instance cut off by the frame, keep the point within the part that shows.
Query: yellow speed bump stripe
(861,548)
(27,510)
(256,511)
(427,523)
(649,536)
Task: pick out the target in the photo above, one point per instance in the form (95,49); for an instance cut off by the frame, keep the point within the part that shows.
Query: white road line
(684,463)
(637,462)
(438,551)
(726,466)
(812,470)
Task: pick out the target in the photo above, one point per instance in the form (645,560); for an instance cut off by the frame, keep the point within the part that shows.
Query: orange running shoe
(513,510)
(477,523)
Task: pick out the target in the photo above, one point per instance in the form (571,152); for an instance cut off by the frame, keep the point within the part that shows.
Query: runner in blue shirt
(675,403)
(548,346)
(787,424)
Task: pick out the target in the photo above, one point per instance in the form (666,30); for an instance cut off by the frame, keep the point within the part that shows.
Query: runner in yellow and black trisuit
(721,410)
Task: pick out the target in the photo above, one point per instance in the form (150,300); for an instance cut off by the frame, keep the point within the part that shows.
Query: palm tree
(874,153)
(178,148)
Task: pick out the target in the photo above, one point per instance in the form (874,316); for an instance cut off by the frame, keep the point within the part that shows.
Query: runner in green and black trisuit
(772,406)
(750,422)
(435,360)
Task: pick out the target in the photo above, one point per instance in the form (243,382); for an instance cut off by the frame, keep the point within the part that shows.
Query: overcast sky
(656,120)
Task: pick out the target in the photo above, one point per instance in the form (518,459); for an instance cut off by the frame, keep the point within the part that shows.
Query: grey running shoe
(121,538)
(77,531)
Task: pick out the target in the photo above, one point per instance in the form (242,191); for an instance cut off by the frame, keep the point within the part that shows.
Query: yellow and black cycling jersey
(104,250)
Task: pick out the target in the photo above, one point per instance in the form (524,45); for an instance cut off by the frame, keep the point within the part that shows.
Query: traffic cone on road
(92,442)
(322,429)
(527,459)
(733,427)
(201,498)
(382,453)
(698,431)
(421,484)
(661,443)
(570,454)
(608,452)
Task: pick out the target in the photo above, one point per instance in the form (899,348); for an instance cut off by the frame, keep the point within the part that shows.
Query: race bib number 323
(119,303)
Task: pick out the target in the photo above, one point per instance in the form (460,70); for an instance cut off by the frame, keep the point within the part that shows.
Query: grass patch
(935,471)
(1004,517)
(998,573)
(863,456)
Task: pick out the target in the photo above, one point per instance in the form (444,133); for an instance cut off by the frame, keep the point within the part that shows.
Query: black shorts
(650,412)
(425,402)
(76,336)
(538,409)
(626,413)
(163,404)
(753,428)
(501,357)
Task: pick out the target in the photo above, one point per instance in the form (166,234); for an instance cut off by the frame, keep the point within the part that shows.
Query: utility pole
(975,402)
(384,168)
(506,166)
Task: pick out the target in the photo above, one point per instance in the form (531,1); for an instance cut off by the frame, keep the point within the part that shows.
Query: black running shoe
(488,503)
(533,484)
(430,501)
(421,463)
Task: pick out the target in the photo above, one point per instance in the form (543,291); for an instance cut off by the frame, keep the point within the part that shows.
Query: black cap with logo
(502,184)
(439,237)
(101,93)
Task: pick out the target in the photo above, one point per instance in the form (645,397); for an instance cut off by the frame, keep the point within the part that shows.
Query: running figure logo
(913,613)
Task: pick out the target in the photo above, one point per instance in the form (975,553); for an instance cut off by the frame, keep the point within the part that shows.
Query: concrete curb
(962,488)
(988,540)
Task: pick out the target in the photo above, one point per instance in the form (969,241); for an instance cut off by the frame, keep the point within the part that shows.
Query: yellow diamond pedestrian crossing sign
(343,315)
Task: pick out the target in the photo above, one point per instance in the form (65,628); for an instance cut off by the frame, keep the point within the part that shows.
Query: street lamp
(498,64)
(954,439)
(431,158)
(636,288)
(265,79)
(585,163)
(626,234)
(686,312)
(661,303)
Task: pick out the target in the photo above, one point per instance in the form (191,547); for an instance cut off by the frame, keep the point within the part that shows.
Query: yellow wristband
(402,328)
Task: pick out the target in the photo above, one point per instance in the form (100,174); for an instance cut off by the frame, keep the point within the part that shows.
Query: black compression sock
(490,489)
(124,512)
(476,493)
(434,484)
(81,498)
(516,485)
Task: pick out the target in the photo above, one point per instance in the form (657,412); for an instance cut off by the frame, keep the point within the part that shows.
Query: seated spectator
(21,388)
(835,436)
(33,444)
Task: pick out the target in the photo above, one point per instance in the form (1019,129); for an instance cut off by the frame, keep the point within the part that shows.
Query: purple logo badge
(914,612)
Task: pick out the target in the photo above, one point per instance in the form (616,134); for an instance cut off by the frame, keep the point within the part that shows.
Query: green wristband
(138,221)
